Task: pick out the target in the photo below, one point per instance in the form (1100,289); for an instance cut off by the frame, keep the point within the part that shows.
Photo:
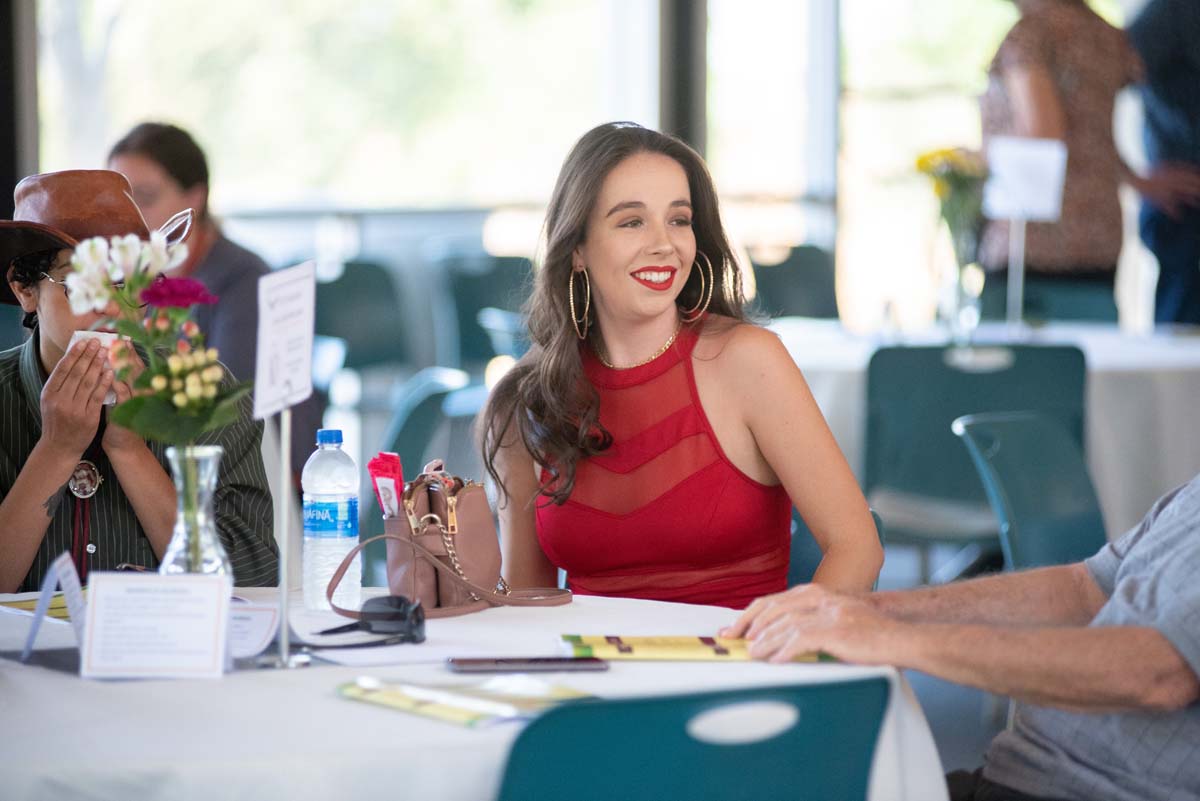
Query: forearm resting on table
(1095,669)
(850,568)
(1062,595)
(27,509)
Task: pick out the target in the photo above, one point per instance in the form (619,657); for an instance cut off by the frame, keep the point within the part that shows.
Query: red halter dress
(663,514)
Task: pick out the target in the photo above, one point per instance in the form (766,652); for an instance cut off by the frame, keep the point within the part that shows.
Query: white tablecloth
(1142,401)
(285,734)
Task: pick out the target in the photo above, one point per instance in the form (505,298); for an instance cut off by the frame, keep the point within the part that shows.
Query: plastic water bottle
(330,483)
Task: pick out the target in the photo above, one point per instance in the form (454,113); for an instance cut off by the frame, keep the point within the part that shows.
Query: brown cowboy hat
(57,210)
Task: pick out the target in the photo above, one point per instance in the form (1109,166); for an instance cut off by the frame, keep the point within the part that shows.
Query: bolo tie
(85,482)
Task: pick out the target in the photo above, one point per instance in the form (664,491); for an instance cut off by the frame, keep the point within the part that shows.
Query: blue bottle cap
(329,436)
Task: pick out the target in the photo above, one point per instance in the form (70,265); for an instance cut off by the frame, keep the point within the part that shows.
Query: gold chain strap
(453,553)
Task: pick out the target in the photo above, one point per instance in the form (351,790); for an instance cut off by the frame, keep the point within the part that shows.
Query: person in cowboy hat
(69,480)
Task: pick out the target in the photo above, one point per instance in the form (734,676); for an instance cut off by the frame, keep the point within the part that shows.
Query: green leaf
(129,328)
(152,417)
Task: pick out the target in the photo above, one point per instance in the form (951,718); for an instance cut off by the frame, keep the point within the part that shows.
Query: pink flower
(176,292)
(190,329)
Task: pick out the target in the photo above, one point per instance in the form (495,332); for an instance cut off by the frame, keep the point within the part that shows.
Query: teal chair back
(1038,485)
(915,393)
(643,748)
(505,330)
(11,331)
(801,285)
(416,415)
(806,554)
(477,281)
(362,308)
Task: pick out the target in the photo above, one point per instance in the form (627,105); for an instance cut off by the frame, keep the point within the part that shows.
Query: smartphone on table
(526,664)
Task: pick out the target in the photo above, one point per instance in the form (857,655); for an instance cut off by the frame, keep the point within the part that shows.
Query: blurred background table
(287,734)
(1141,399)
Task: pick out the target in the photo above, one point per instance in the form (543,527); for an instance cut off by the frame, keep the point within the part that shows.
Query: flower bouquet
(958,176)
(179,388)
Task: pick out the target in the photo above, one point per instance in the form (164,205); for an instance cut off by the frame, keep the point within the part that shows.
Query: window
(356,104)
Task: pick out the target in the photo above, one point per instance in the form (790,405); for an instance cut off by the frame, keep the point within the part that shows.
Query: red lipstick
(659,279)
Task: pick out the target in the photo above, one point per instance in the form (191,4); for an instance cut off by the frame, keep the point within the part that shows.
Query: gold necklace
(670,341)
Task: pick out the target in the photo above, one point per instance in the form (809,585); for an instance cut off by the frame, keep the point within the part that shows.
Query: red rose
(176,292)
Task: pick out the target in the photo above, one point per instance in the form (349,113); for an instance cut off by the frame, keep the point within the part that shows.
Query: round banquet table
(287,735)
(1141,399)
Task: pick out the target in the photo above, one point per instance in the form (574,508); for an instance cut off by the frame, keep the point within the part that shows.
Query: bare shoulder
(739,348)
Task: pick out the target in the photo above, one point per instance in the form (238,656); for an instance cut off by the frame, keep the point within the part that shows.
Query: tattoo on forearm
(51,504)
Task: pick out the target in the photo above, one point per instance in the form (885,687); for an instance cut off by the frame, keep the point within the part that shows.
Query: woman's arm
(1036,106)
(524,562)
(790,433)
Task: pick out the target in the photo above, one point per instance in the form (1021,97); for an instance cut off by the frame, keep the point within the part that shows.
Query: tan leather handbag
(442,550)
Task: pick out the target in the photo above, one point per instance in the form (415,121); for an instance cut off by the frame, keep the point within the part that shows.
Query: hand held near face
(73,397)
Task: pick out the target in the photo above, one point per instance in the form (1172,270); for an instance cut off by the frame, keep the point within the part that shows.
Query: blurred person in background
(1056,76)
(169,171)
(1166,35)
(652,441)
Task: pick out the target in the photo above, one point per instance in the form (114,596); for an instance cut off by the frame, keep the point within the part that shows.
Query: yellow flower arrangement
(958,176)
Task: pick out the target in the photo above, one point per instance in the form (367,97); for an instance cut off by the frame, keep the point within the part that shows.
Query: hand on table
(73,397)
(812,618)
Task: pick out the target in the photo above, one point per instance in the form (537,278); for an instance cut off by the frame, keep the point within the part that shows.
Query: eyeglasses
(67,291)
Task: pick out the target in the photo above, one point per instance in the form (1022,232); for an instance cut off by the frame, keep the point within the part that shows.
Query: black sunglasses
(403,620)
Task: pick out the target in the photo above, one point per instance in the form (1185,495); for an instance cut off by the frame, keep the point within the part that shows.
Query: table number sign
(150,626)
(1025,184)
(286,314)
(1025,180)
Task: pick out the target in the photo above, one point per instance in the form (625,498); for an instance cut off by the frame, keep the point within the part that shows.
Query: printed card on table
(150,626)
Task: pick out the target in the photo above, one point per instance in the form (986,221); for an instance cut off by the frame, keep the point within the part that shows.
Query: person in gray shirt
(1102,656)
(168,170)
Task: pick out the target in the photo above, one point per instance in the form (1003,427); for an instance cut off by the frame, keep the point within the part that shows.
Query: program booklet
(509,697)
(669,649)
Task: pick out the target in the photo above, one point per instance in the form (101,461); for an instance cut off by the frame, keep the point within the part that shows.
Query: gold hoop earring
(696,312)
(587,302)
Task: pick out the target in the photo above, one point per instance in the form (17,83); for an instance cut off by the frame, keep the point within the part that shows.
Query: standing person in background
(1167,37)
(168,171)
(1056,76)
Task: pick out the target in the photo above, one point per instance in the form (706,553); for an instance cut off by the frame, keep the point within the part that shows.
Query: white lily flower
(124,256)
(91,255)
(178,255)
(87,291)
(156,254)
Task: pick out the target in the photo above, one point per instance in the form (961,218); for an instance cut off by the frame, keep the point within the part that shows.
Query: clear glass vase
(195,546)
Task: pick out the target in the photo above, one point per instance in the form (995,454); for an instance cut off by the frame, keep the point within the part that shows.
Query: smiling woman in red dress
(652,442)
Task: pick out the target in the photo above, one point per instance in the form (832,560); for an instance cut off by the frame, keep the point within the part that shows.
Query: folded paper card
(142,625)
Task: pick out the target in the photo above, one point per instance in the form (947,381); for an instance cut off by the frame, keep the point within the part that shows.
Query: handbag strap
(533,597)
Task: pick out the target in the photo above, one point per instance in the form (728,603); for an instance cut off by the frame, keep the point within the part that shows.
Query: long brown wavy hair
(545,399)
